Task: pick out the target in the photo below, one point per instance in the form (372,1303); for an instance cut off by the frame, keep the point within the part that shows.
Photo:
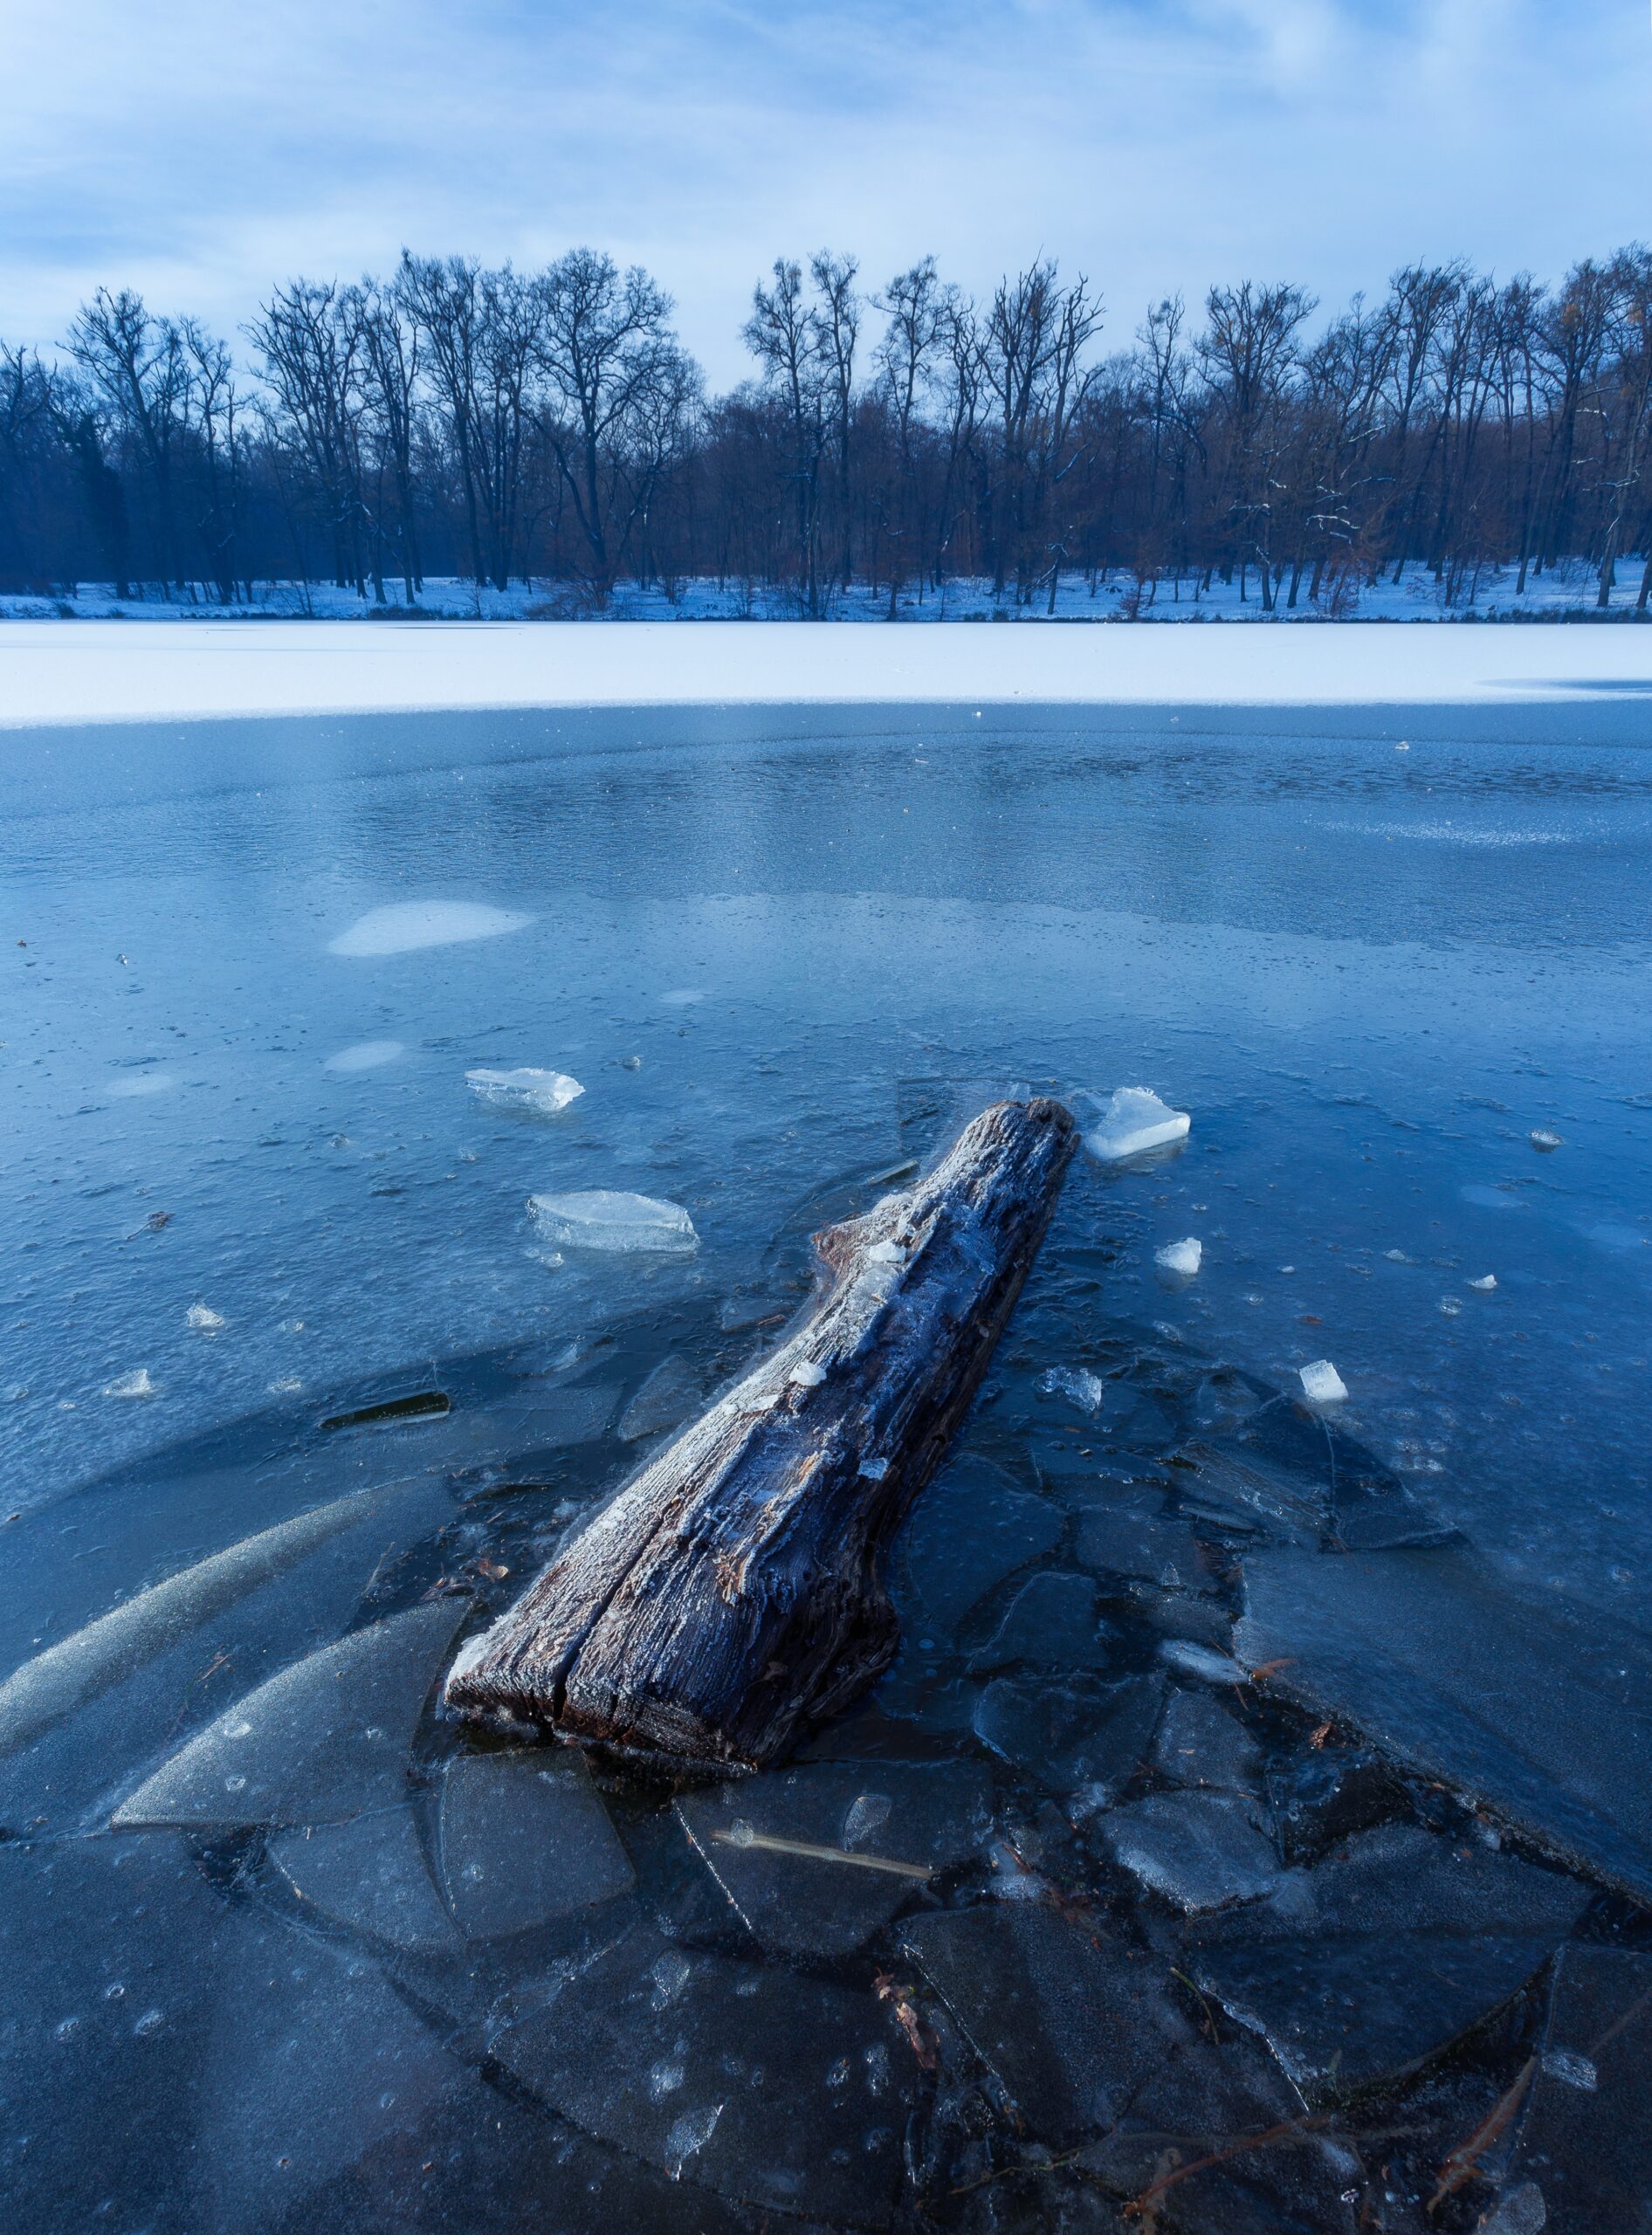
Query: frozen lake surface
(1371,950)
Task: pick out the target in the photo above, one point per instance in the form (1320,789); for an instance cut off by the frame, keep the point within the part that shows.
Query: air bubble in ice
(1182,1258)
(1133,1122)
(605,1218)
(366,1056)
(203,1319)
(406,926)
(1322,1384)
(542,1093)
(132,1384)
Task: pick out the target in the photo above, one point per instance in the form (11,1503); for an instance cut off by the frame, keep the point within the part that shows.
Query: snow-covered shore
(124,671)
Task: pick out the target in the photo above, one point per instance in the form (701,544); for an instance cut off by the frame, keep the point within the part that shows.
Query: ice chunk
(132,1384)
(1180,1258)
(326,1739)
(203,1319)
(366,1056)
(1322,1384)
(806,1374)
(1072,2027)
(1199,1851)
(1542,1139)
(370,1874)
(1133,1122)
(406,926)
(525,1838)
(604,1218)
(1485,1284)
(1522,1706)
(540,1093)
(1199,1744)
(1358,1970)
(1086,1389)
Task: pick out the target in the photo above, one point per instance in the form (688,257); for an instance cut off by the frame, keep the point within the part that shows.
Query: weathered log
(730,1596)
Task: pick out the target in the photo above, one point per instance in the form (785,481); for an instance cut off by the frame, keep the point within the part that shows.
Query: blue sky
(197,150)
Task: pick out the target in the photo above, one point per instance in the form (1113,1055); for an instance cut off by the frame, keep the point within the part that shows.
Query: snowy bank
(135,670)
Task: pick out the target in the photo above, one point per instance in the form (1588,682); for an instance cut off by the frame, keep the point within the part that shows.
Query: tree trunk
(730,1595)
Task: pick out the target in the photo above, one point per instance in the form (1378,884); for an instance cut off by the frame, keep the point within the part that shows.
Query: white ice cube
(1133,1122)
(604,1218)
(1181,1257)
(1322,1384)
(1485,1284)
(543,1092)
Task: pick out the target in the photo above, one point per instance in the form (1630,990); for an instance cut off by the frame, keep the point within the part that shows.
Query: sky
(199,150)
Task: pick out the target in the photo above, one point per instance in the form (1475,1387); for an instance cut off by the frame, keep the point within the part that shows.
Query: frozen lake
(248,967)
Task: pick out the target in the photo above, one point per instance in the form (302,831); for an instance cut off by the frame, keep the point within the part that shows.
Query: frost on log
(730,1596)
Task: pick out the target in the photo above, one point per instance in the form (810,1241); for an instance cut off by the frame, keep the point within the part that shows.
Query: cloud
(199,151)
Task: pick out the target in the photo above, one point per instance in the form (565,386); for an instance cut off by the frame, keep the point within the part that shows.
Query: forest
(549,427)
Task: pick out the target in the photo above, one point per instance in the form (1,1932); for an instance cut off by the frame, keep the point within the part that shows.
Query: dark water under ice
(394,1979)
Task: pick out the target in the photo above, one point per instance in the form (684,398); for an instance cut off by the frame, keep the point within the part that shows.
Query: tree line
(549,428)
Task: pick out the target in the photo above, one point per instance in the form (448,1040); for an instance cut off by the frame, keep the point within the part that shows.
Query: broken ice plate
(1133,1122)
(540,1093)
(605,1218)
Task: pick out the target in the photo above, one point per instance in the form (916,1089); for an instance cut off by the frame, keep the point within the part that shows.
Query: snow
(406,926)
(604,1218)
(1133,1122)
(55,672)
(543,1092)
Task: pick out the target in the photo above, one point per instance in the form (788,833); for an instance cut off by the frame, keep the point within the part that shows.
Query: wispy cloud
(197,150)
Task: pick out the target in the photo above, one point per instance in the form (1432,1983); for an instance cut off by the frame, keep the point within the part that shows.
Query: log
(730,1597)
